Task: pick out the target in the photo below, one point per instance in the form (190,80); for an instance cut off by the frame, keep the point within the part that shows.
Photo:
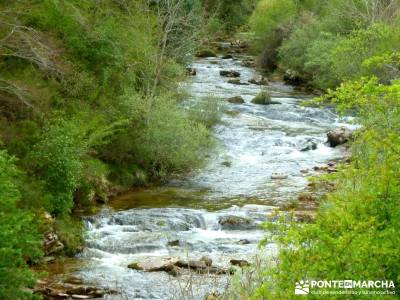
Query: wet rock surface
(259,80)
(339,136)
(235,223)
(51,243)
(229,73)
(73,289)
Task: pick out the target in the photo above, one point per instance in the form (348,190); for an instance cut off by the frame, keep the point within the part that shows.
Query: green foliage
(270,14)
(349,55)
(106,63)
(58,161)
(354,235)
(19,238)
(232,14)
(170,142)
(271,22)
(70,233)
(325,42)
(263,98)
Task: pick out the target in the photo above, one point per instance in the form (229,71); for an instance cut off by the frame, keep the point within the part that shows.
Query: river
(183,218)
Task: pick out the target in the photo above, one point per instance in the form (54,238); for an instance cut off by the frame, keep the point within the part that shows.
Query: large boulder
(191,264)
(229,73)
(235,223)
(339,136)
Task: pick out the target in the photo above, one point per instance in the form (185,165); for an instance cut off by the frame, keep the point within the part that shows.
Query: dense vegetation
(327,42)
(88,105)
(350,50)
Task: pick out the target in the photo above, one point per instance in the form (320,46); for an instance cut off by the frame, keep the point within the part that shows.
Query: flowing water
(182,219)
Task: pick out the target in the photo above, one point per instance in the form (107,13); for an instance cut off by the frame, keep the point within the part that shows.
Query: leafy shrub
(19,237)
(349,55)
(58,160)
(271,23)
(319,62)
(70,232)
(231,13)
(170,142)
(354,233)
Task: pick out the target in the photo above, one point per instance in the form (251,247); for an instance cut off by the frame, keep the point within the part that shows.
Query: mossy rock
(206,53)
(135,266)
(263,98)
(236,100)
(226,163)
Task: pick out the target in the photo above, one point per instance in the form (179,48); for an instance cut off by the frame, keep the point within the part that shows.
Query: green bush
(270,14)
(350,53)
(19,237)
(271,22)
(324,43)
(57,159)
(354,235)
(319,62)
(263,98)
(232,14)
(170,142)
(70,233)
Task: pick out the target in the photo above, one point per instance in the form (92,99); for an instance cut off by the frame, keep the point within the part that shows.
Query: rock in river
(191,71)
(229,73)
(279,176)
(237,81)
(207,260)
(235,223)
(259,80)
(206,53)
(263,98)
(239,262)
(227,56)
(339,136)
(308,145)
(154,264)
(236,100)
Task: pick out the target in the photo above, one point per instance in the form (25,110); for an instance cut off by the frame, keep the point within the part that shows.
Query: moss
(263,98)
(70,233)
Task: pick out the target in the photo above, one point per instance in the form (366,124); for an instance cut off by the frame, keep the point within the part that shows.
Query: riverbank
(217,210)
